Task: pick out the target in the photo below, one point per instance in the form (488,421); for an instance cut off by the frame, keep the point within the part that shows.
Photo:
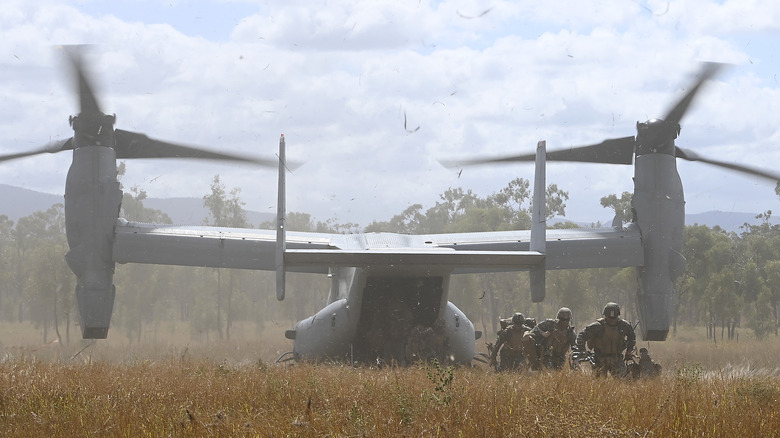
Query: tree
(225,211)
(6,273)
(724,302)
(772,270)
(410,221)
(757,254)
(706,292)
(42,237)
(133,208)
(621,206)
(761,314)
(139,303)
(555,198)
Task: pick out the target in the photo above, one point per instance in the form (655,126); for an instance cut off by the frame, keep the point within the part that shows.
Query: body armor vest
(609,341)
(515,336)
(559,340)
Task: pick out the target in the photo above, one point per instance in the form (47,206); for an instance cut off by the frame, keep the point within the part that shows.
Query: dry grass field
(180,388)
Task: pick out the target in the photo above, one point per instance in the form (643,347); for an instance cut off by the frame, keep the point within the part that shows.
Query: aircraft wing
(215,247)
(315,252)
(576,248)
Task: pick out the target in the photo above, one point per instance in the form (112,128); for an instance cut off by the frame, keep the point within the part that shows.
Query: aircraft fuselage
(372,311)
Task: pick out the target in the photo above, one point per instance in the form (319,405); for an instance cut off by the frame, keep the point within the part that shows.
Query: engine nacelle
(92,203)
(660,213)
(327,334)
(460,334)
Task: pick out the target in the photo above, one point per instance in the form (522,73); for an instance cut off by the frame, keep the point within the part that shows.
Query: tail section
(281,205)
(539,223)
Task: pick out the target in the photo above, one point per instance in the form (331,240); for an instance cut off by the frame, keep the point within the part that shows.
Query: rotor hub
(93,129)
(656,136)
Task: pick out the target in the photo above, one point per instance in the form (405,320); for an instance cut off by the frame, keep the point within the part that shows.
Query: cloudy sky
(349,82)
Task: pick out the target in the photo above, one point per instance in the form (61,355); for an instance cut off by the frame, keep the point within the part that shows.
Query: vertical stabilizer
(538,222)
(281,212)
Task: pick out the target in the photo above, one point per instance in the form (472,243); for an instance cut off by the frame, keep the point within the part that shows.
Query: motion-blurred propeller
(652,136)
(92,127)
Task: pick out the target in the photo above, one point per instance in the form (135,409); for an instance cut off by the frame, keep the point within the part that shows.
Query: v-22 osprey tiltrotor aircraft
(376,274)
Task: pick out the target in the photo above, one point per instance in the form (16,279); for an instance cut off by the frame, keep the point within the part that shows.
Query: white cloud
(337,77)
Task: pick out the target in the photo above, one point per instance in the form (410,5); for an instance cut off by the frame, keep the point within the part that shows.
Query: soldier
(510,344)
(528,322)
(647,368)
(609,337)
(549,341)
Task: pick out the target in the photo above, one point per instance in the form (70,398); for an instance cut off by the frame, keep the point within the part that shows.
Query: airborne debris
(469,17)
(407,129)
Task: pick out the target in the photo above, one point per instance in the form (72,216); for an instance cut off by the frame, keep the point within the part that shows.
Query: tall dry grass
(113,388)
(206,398)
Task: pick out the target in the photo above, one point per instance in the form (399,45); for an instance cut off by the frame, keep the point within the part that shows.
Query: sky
(371,95)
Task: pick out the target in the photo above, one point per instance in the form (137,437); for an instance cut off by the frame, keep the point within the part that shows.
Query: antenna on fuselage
(281,211)
(539,223)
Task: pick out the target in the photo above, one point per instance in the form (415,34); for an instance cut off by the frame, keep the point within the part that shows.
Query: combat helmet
(612,310)
(518,318)
(564,313)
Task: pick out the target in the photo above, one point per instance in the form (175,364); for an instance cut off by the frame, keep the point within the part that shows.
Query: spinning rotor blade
(135,145)
(94,128)
(87,101)
(612,151)
(478,161)
(709,69)
(53,147)
(690,155)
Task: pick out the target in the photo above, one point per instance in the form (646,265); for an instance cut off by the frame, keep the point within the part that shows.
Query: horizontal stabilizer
(403,256)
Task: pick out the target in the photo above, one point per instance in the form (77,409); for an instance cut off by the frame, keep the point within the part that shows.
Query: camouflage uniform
(646,366)
(510,344)
(548,342)
(609,338)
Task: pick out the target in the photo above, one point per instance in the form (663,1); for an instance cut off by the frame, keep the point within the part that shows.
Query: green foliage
(133,208)
(555,198)
(761,315)
(762,392)
(224,210)
(621,206)
(464,211)
(41,272)
(690,373)
(730,278)
(441,378)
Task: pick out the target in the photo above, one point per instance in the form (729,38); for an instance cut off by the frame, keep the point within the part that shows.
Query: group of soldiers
(607,343)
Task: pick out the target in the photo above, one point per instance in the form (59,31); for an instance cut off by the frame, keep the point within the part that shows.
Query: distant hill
(16,202)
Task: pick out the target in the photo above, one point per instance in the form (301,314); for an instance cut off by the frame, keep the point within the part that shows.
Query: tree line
(732,279)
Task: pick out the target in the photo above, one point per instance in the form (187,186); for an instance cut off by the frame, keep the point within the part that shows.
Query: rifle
(578,357)
(491,356)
